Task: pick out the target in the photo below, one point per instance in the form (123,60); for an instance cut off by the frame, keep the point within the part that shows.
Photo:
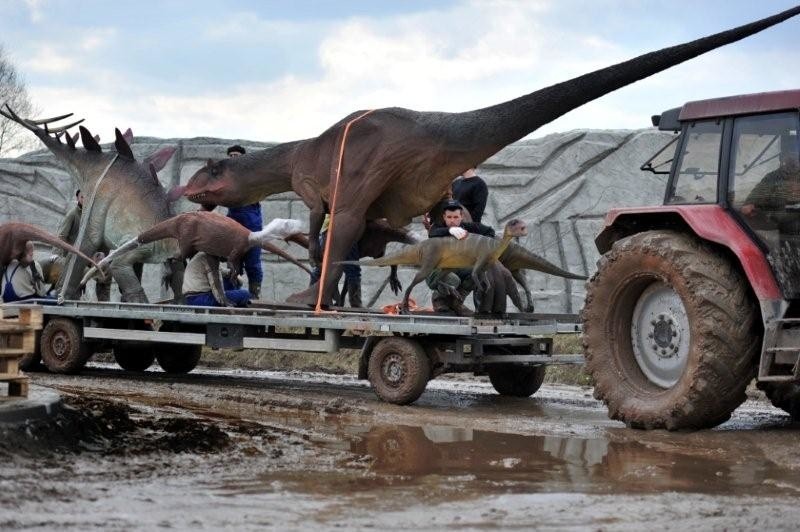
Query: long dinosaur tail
(33,233)
(408,256)
(492,128)
(527,260)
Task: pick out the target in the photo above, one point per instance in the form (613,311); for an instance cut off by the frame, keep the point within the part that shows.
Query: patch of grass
(568,373)
(344,362)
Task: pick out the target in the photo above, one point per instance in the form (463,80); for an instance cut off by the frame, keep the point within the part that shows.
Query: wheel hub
(660,335)
(393,369)
(60,345)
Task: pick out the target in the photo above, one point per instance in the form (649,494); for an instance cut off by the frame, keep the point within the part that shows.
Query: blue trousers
(239,297)
(250,217)
(351,271)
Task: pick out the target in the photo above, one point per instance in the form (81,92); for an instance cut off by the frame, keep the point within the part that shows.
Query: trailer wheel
(134,357)
(670,332)
(399,370)
(63,350)
(516,381)
(784,395)
(179,358)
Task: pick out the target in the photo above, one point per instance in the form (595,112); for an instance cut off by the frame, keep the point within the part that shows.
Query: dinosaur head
(214,184)
(516,228)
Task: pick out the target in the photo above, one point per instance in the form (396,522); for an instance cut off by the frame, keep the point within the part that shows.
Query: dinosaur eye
(214,171)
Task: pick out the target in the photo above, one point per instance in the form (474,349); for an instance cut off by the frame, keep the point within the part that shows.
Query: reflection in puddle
(550,463)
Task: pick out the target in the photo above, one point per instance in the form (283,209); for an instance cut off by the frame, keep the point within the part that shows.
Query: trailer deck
(175,334)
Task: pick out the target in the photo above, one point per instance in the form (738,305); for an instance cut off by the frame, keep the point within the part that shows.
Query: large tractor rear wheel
(784,395)
(670,332)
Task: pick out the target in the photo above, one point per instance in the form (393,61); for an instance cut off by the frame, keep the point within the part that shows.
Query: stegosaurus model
(128,200)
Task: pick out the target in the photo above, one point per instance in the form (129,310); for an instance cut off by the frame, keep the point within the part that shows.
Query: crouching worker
(203,287)
(23,278)
(450,287)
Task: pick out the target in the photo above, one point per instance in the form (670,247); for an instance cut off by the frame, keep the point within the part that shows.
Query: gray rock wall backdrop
(561,184)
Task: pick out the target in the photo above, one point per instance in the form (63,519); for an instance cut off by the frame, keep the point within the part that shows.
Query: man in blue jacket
(250,217)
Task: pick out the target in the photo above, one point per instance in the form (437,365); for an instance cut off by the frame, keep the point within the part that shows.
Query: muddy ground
(297,450)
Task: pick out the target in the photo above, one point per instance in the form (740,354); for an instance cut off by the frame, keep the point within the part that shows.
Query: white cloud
(465,57)
(48,59)
(35,10)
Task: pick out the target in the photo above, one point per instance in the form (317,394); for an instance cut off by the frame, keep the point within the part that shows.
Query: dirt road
(297,450)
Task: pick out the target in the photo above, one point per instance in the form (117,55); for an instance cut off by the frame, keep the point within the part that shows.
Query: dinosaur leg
(129,285)
(519,276)
(347,229)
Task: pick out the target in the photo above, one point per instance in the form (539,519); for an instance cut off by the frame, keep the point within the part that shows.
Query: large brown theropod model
(128,200)
(209,232)
(14,235)
(473,251)
(397,162)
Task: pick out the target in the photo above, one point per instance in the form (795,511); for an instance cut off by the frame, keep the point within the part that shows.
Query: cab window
(698,165)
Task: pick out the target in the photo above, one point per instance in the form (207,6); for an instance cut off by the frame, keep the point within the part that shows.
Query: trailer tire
(784,395)
(516,381)
(179,358)
(62,348)
(130,357)
(670,332)
(399,369)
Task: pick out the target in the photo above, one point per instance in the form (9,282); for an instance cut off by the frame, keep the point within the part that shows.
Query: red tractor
(694,298)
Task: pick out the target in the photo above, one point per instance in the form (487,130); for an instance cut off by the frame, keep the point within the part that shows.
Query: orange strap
(335,190)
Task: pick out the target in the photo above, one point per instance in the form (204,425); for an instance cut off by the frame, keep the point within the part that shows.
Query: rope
(335,190)
(85,214)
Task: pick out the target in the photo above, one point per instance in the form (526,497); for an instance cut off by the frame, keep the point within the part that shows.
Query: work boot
(255,289)
(354,294)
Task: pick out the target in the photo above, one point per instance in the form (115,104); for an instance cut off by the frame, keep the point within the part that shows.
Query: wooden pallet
(17,339)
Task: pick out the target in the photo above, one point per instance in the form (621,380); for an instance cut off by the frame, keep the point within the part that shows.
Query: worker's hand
(458,232)
(426,221)
(748,209)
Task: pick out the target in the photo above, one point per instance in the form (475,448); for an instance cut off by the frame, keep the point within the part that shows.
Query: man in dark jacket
(471,191)
(250,217)
(450,287)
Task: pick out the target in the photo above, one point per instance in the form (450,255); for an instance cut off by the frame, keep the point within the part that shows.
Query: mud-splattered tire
(134,357)
(784,395)
(399,370)
(516,381)
(705,334)
(178,358)
(62,348)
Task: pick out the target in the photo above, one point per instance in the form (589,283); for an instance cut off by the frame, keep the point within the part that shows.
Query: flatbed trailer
(399,353)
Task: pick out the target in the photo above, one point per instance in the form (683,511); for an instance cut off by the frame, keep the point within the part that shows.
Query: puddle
(482,462)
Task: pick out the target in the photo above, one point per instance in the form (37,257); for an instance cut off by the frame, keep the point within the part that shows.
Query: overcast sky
(283,70)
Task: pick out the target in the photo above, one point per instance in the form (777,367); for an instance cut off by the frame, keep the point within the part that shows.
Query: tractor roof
(762,102)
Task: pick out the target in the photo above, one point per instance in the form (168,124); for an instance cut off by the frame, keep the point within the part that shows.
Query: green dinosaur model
(128,200)
(473,251)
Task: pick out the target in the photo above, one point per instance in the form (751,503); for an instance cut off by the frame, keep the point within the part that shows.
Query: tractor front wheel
(670,332)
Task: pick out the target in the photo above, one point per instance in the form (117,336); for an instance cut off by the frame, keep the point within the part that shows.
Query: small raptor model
(516,259)
(209,232)
(14,235)
(397,162)
(473,251)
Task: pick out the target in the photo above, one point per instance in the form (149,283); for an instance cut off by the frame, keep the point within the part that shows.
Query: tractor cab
(741,153)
